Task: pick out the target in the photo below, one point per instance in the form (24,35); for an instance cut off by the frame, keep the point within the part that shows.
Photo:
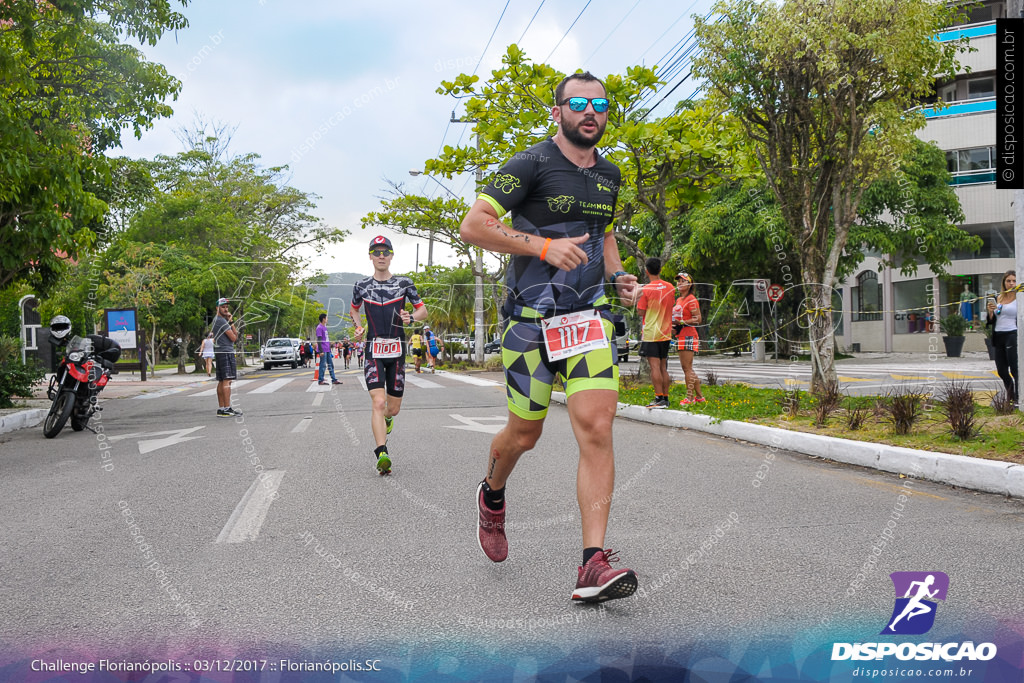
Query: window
(975,165)
(980,88)
(867,297)
(948,93)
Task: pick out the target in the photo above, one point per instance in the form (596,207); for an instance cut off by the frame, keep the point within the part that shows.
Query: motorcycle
(83,372)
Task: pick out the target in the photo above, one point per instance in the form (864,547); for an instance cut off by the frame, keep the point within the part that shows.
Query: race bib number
(386,348)
(571,334)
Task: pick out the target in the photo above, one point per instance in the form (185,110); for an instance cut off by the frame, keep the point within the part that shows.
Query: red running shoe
(599,582)
(490,529)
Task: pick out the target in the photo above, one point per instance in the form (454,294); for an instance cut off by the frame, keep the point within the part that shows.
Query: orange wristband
(544,251)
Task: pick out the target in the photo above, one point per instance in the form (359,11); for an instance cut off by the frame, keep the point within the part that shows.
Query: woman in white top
(1002,313)
(206,352)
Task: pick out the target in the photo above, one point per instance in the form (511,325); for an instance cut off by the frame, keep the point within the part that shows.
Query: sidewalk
(125,384)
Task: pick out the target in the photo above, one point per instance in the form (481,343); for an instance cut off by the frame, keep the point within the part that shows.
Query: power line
(448,125)
(596,49)
(568,29)
(492,36)
(671,26)
(519,42)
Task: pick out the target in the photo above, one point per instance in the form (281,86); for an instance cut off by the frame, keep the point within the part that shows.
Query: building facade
(886,311)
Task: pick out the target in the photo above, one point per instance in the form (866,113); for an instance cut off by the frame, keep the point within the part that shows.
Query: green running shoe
(383,464)
(390,422)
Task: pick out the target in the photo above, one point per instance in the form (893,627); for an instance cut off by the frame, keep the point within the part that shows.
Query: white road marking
(245,522)
(418,381)
(487,425)
(271,387)
(303,424)
(316,386)
(174,436)
(470,379)
(236,384)
(169,392)
(318,399)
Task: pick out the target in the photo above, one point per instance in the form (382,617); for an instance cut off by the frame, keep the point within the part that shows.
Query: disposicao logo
(914,614)
(916,593)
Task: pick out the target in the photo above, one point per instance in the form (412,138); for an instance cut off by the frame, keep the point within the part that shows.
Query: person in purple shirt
(324,346)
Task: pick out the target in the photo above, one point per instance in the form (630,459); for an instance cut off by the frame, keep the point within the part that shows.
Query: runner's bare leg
(591,413)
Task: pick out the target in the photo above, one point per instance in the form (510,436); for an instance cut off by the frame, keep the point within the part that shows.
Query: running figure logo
(916,592)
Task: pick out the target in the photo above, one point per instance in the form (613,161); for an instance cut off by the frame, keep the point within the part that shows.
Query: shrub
(791,402)
(856,416)
(956,401)
(711,378)
(905,406)
(1002,404)
(17,379)
(829,399)
(953,325)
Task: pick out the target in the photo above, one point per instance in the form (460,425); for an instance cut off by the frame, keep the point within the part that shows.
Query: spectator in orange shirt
(655,306)
(685,315)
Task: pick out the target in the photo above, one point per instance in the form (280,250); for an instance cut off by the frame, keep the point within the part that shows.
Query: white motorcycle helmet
(60,327)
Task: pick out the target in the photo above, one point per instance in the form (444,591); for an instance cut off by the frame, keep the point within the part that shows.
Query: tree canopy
(825,92)
(69,87)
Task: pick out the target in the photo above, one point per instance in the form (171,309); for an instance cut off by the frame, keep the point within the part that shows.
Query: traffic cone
(316,373)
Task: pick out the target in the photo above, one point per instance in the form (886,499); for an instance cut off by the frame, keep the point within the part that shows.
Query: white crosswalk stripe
(235,385)
(470,379)
(271,387)
(418,381)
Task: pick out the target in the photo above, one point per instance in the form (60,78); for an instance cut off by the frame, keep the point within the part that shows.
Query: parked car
(281,351)
(492,346)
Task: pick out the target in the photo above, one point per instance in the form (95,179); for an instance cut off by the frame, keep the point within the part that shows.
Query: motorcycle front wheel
(78,422)
(60,411)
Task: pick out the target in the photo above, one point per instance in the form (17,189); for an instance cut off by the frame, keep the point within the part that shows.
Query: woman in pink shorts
(685,315)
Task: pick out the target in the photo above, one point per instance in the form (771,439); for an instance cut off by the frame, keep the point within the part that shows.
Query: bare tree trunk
(823,366)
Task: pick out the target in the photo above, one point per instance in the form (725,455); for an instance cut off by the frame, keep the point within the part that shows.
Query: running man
(655,306)
(915,607)
(416,346)
(384,296)
(562,197)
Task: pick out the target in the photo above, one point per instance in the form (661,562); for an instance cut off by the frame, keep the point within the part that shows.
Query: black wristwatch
(615,276)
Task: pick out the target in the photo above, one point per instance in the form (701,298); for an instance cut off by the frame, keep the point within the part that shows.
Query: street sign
(760,291)
(121,327)
(775,292)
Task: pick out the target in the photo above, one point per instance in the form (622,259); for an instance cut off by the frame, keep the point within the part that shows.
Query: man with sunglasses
(382,296)
(562,196)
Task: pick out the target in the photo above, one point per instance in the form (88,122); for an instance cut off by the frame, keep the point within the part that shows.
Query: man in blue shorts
(562,196)
(382,297)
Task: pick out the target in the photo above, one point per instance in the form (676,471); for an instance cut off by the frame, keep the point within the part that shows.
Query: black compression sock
(589,553)
(380,449)
(493,499)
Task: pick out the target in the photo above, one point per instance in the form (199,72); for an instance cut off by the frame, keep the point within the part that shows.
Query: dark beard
(573,135)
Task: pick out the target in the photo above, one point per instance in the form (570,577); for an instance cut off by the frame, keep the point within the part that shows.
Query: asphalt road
(261,534)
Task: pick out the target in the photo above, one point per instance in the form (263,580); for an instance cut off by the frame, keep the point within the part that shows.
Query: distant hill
(335,295)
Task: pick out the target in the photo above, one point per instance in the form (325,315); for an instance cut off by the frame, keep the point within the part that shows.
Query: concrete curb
(991,476)
(21,419)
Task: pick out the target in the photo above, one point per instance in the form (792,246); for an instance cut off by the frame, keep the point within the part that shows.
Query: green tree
(69,86)
(668,164)
(824,91)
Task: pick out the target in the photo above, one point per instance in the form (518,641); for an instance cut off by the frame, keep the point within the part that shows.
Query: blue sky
(355,83)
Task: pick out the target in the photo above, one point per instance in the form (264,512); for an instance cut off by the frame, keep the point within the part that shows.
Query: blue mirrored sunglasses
(580,103)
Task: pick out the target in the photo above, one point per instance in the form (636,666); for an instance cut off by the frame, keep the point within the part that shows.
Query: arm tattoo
(492,223)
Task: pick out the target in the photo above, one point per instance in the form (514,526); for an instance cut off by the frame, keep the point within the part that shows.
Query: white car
(281,351)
